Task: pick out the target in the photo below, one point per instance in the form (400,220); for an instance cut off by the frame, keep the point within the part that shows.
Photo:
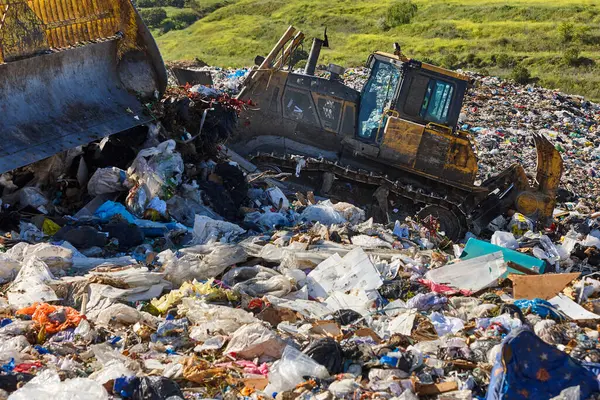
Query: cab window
(437,101)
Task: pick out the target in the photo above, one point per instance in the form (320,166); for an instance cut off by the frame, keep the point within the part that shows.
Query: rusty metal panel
(432,154)
(31,27)
(401,141)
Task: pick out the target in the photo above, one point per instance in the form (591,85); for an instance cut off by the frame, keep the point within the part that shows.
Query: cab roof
(426,66)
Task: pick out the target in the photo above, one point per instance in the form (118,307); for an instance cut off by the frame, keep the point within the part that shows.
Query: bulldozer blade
(67,82)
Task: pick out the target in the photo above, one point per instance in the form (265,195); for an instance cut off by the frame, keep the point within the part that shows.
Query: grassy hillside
(557,41)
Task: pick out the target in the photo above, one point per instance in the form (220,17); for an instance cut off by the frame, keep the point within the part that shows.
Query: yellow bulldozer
(398,136)
(75,71)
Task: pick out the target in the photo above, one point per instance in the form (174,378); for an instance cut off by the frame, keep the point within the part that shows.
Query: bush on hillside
(503,60)
(399,13)
(450,61)
(184,19)
(159,3)
(566,32)
(153,17)
(571,56)
(520,74)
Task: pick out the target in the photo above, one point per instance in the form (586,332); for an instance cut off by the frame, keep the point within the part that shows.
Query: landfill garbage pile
(158,264)
(503,115)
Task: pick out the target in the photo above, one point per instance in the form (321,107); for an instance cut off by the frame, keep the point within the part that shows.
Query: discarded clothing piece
(529,368)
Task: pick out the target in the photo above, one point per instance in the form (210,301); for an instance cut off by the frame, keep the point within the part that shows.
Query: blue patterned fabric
(529,368)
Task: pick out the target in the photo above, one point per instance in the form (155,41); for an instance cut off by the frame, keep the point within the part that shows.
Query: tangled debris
(158,265)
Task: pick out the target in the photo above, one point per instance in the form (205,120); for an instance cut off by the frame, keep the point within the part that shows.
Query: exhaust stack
(315,52)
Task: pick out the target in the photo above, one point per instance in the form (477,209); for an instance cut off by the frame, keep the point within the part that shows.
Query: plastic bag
(52,318)
(370,242)
(277,197)
(202,262)
(11,348)
(148,388)
(291,369)
(520,224)
(47,385)
(258,281)
(112,370)
(505,239)
(29,232)
(31,284)
(8,268)
(207,290)
(354,270)
(208,319)
(255,340)
(118,314)
(108,180)
(350,212)
(159,169)
(445,325)
(324,213)
(328,353)
(474,274)
(207,229)
(267,220)
(33,197)
(110,209)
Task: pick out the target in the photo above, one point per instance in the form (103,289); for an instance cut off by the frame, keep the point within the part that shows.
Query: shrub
(503,60)
(450,61)
(571,56)
(148,3)
(167,25)
(184,19)
(400,13)
(520,74)
(153,17)
(566,32)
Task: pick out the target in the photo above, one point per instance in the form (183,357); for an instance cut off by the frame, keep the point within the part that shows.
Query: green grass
(233,32)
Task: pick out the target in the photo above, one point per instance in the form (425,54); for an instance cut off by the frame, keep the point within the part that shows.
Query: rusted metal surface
(71,71)
(34,26)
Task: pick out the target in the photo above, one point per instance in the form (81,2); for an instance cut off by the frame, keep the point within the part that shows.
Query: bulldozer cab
(410,90)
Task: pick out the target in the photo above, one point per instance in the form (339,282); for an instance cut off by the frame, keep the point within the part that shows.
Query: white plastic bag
(208,319)
(276,197)
(369,242)
(207,229)
(355,270)
(158,171)
(350,212)
(112,370)
(255,340)
(202,262)
(474,274)
(291,369)
(323,212)
(505,239)
(47,385)
(31,284)
(108,180)
(444,325)
(8,268)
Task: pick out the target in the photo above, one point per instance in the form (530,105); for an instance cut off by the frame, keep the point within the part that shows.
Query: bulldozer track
(418,196)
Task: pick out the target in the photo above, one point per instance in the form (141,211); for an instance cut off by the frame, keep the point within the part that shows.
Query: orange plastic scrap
(41,312)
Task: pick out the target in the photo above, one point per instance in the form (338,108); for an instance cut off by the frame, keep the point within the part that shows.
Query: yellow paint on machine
(402,138)
(29,27)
